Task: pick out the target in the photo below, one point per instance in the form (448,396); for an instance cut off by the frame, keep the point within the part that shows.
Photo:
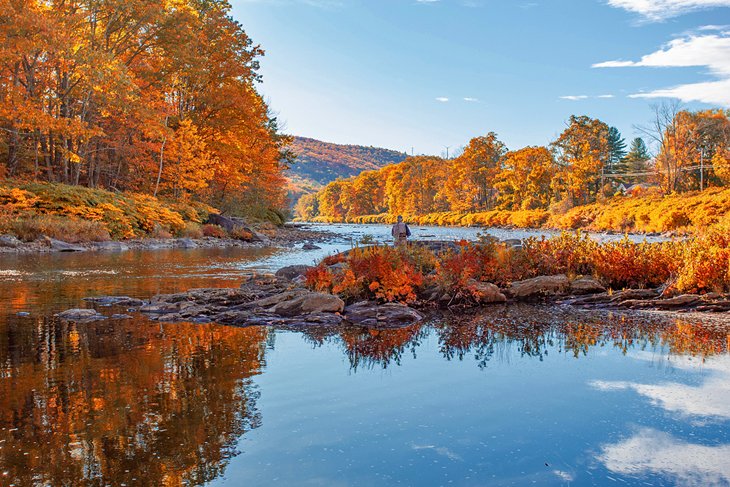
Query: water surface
(509,396)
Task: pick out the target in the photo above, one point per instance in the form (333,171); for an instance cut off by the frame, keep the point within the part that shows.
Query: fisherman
(400,232)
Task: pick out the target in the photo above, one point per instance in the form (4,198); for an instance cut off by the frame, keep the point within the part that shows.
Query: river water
(508,396)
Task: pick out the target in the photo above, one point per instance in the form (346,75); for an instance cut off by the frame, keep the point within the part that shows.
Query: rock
(186,243)
(115,301)
(162,308)
(634,294)
(293,271)
(586,285)
(111,246)
(369,313)
(61,246)
(277,298)
(539,286)
(10,241)
(683,300)
(310,246)
(80,315)
(486,292)
(309,303)
(120,317)
(233,223)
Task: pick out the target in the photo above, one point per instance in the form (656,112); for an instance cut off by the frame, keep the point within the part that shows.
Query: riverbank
(284,236)
(679,214)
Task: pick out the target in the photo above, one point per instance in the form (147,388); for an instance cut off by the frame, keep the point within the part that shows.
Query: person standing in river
(400,232)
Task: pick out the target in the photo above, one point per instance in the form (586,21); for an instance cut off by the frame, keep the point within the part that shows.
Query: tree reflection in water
(124,402)
(530,331)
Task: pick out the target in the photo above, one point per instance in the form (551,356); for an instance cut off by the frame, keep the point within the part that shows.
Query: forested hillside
(319,163)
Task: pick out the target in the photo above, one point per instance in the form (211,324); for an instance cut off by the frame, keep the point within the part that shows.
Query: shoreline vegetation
(42,217)
(679,214)
(587,178)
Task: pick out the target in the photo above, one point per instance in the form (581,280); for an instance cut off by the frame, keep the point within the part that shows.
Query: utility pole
(702,168)
(447,151)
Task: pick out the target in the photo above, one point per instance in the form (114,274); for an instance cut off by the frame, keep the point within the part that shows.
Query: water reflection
(124,402)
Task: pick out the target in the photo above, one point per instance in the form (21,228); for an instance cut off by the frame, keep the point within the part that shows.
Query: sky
(423,75)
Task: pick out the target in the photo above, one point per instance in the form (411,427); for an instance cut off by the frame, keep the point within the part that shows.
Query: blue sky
(433,73)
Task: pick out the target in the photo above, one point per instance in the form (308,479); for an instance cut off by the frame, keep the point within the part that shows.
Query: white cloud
(442,99)
(574,97)
(605,96)
(650,451)
(657,10)
(470,99)
(711,51)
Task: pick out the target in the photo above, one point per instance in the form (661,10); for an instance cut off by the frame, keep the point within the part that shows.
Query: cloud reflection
(711,399)
(650,451)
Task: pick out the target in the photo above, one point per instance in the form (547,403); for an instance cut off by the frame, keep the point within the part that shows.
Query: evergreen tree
(636,160)
(616,150)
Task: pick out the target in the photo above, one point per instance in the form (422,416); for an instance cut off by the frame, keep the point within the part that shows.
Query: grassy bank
(684,213)
(29,210)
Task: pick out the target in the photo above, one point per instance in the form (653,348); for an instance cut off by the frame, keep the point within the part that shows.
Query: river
(507,396)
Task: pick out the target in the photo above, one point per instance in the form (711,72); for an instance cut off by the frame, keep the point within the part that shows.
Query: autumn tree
(469,184)
(524,181)
(582,152)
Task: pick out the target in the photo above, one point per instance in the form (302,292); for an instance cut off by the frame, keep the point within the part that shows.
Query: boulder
(233,223)
(310,246)
(486,292)
(61,246)
(586,285)
(369,313)
(115,301)
(111,246)
(309,303)
(10,241)
(634,294)
(277,298)
(293,271)
(186,243)
(80,315)
(539,286)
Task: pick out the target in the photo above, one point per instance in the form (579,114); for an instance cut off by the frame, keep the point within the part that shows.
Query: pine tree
(636,160)
(616,150)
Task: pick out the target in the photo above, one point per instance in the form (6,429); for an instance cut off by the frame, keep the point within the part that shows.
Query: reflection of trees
(489,335)
(371,347)
(113,403)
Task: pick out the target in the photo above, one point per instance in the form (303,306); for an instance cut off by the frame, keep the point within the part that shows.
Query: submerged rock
(310,246)
(80,315)
(115,301)
(111,246)
(369,313)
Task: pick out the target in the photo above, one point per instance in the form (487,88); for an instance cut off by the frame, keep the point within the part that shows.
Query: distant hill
(319,163)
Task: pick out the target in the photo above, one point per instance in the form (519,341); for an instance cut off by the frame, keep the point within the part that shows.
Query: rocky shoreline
(283,300)
(286,236)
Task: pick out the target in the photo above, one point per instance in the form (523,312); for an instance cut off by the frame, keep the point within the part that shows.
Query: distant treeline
(588,162)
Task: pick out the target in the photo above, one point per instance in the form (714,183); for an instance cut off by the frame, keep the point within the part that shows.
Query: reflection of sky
(710,399)
(650,451)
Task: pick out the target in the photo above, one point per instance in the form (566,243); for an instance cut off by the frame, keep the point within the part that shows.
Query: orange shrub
(215,231)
